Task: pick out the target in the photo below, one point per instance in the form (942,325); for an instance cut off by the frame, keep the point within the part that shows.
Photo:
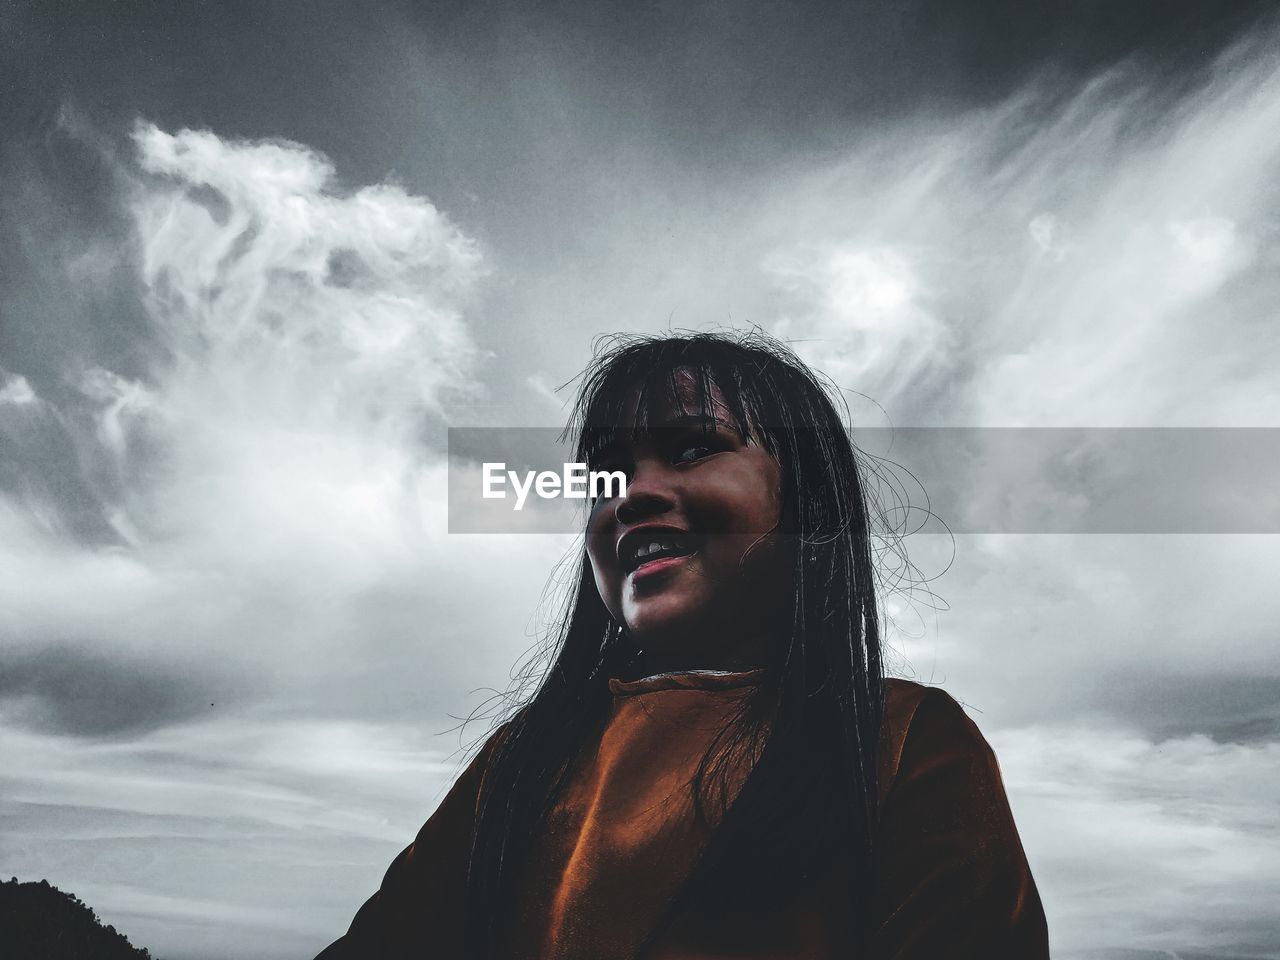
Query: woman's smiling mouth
(653,547)
(659,564)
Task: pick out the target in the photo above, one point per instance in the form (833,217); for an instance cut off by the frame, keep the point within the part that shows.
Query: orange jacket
(952,880)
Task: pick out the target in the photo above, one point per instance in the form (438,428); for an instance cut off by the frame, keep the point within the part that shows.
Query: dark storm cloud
(73,691)
(732,74)
(716,77)
(1241,708)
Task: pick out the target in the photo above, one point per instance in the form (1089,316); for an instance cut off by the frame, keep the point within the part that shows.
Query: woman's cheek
(608,578)
(610,592)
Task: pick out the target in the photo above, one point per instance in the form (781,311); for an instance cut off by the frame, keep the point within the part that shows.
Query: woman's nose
(649,494)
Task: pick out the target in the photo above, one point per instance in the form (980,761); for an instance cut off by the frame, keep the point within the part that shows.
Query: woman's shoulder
(926,725)
(903,700)
(463,796)
(953,878)
(476,770)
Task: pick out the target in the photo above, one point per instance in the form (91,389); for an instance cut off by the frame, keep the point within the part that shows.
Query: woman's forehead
(660,402)
(685,390)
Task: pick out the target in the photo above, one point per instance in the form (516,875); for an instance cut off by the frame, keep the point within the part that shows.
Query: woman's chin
(666,624)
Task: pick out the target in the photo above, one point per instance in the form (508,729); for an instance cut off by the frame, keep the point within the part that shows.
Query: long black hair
(812,724)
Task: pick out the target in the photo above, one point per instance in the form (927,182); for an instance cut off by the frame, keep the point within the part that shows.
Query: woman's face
(689,560)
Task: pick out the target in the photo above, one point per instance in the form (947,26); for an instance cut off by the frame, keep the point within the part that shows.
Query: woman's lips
(651,568)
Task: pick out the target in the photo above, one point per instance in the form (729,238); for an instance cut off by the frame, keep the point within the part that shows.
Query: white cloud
(1140,844)
(904,267)
(14,389)
(292,300)
(273,469)
(861,317)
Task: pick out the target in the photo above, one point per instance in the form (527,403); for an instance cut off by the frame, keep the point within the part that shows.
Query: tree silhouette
(38,920)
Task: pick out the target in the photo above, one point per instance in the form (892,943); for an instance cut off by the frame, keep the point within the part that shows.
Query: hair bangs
(631,384)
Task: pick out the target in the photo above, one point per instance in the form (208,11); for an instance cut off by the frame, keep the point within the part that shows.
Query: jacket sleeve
(952,879)
(418,909)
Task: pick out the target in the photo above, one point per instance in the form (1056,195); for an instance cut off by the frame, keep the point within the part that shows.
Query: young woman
(713,766)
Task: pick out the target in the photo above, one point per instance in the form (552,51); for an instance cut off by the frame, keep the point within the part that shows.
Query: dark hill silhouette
(40,922)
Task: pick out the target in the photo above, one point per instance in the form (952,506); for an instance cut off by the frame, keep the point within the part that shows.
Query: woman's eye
(693,452)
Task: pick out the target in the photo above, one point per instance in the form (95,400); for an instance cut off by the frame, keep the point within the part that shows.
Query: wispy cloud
(1101,259)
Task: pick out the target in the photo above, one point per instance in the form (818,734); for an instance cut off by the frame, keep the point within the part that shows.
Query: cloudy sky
(255,258)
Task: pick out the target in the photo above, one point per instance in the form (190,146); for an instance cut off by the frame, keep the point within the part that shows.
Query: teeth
(652,547)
